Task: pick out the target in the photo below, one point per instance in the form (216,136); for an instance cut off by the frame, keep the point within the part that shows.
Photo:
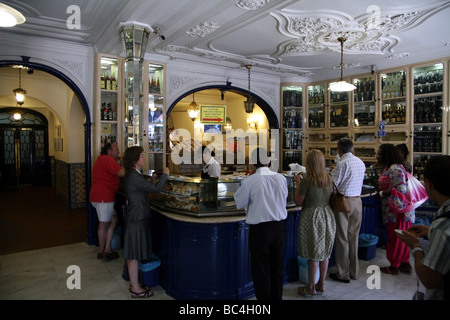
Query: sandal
(304,291)
(320,288)
(143,294)
(390,270)
(143,287)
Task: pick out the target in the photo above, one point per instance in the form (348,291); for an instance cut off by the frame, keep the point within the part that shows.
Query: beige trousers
(346,241)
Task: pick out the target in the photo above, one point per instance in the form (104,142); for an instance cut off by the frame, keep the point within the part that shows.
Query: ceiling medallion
(316,31)
(203,29)
(397,56)
(251,4)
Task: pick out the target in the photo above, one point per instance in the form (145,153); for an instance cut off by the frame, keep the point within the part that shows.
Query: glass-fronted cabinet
(339,114)
(108,101)
(393,96)
(428,114)
(364,102)
(156,117)
(292,125)
(316,106)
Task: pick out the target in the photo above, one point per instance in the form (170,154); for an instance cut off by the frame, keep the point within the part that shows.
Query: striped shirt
(437,256)
(348,175)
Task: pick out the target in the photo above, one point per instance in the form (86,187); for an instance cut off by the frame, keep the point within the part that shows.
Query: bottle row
(419,164)
(424,77)
(107,113)
(293,140)
(316,119)
(292,98)
(292,119)
(394,114)
(365,89)
(154,85)
(106,139)
(428,140)
(291,157)
(393,85)
(428,110)
(339,118)
(108,82)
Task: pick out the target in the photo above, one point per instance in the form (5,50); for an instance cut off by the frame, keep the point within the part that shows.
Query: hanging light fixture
(193,109)
(17,115)
(19,92)
(9,17)
(341,85)
(249,104)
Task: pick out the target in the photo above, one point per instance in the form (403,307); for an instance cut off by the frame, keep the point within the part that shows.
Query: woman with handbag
(317,227)
(392,187)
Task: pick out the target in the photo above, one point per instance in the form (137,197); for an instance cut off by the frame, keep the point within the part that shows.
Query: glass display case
(199,197)
(206,197)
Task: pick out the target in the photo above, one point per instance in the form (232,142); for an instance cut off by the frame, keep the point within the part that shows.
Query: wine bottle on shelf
(158,87)
(102,82)
(108,82)
(113,82)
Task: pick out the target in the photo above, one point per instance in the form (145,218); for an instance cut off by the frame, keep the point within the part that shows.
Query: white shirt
(348,175)
(264,195)
(212,167)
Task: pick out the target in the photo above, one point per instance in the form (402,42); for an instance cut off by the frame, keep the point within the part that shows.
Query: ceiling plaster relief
(318,34)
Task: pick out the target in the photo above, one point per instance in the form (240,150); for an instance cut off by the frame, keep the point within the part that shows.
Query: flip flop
(144,287)
(143,294)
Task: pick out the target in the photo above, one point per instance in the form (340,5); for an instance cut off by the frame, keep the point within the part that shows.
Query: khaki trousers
(346,241)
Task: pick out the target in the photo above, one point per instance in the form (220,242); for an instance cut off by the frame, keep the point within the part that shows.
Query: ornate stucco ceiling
(285,37)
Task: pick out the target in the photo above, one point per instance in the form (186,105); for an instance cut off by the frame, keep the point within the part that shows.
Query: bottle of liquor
(102,82)
(403,85)
(108,82)
(113,82)
(158,88)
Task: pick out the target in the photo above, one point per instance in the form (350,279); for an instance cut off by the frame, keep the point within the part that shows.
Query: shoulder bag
(338,203)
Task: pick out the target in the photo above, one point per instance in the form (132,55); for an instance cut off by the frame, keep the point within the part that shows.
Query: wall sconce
(19,92)
(193,109)
(253,121)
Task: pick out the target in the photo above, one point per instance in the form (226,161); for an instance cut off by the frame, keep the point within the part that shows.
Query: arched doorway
(25,62)
(24,156)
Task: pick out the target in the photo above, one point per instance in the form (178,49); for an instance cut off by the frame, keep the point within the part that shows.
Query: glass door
(292,125)
(428,115)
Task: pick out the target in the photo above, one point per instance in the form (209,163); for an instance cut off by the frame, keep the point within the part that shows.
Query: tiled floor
(42,275)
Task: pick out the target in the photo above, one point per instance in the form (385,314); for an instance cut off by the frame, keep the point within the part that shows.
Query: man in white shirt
(264,195)
(348,176)
(212,167)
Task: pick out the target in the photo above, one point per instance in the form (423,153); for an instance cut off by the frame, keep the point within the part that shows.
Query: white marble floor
(42,275)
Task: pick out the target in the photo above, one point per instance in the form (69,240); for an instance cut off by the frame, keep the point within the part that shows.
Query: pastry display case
(206,197)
